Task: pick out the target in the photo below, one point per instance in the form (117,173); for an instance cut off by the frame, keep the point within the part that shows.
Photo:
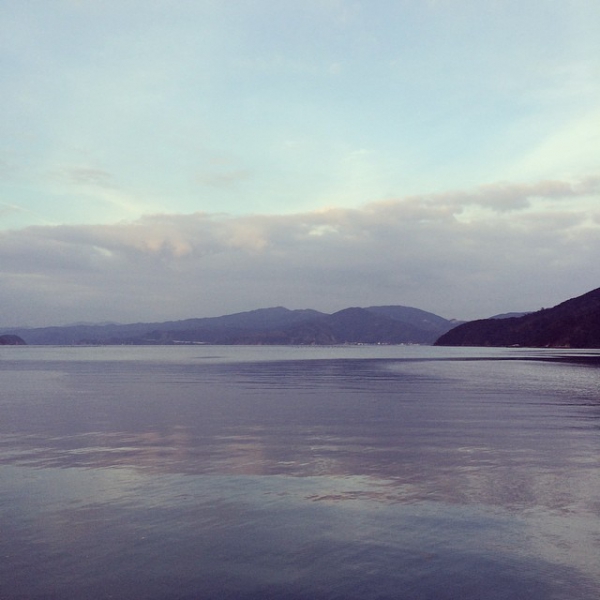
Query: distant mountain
(278,325)
(164,332)
(11,340)
(414,316)
(359,325)
(510,315)
(572,324)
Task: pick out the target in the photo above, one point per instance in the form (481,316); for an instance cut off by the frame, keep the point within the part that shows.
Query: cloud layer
(467,254)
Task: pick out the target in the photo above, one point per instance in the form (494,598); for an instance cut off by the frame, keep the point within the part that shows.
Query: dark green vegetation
(376,324)
(572,324)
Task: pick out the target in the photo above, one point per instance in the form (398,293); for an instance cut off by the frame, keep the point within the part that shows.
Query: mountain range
(278,325)
(574,323)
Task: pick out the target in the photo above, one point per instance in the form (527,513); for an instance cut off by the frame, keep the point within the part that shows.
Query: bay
(299,472)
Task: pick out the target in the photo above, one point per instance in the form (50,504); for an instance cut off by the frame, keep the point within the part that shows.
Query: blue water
(322,473)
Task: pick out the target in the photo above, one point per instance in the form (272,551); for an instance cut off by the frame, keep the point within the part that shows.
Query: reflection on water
(325,473)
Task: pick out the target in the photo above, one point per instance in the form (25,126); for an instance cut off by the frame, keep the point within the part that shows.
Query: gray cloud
(504,197)
(416,251)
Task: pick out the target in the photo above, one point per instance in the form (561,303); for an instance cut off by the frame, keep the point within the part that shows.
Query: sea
(347,472)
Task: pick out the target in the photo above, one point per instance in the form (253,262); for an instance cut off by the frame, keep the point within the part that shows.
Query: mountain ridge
(275,325)
(574,323)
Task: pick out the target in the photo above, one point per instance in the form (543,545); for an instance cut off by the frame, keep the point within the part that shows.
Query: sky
(163,160)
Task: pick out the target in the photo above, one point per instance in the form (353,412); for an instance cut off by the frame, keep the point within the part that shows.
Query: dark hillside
(11,340)
(574,323)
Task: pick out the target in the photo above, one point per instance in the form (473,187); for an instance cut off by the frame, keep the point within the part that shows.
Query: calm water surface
(319,473)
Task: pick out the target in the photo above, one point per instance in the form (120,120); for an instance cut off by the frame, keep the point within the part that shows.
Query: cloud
(88,176)
(14,210)
(521,251)
(88,193)
(8,209)
(6,169)
(503,197)
(223,178)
